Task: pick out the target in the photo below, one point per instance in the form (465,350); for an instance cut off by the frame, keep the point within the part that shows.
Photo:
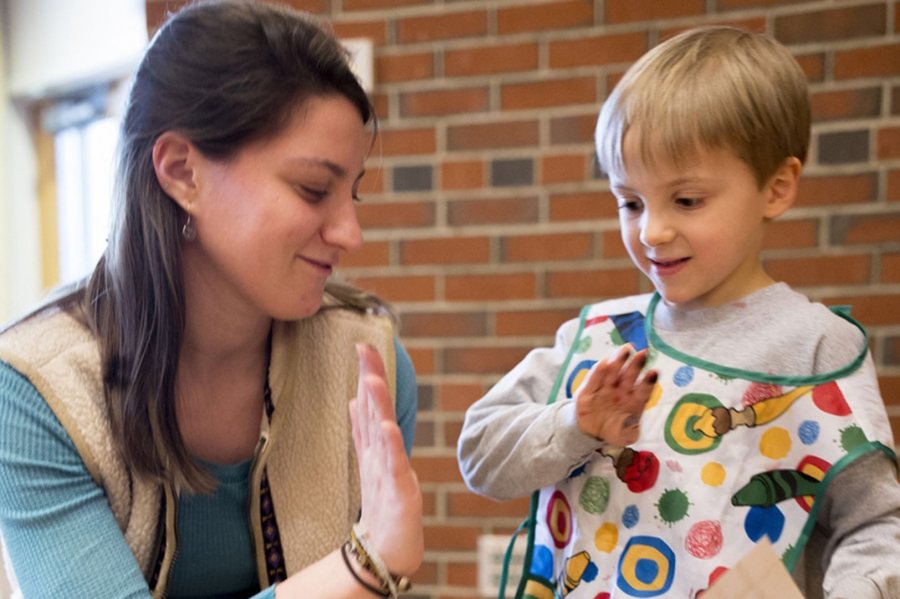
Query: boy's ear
(781,189)
(173,161)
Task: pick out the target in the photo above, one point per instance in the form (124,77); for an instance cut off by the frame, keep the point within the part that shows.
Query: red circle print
(704,540)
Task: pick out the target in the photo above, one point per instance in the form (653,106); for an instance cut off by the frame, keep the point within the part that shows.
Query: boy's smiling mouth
(668,267)
(671,262)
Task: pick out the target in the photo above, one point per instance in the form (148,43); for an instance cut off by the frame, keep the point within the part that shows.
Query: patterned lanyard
(274,552)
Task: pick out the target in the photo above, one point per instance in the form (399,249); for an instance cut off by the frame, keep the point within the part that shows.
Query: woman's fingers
(372,403)
(372,359)
(391,500)
(375,379)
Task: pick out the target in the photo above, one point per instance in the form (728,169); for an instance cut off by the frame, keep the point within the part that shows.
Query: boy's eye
(629,205)
(688,202)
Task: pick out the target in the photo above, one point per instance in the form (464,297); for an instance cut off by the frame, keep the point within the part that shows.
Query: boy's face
(695,231)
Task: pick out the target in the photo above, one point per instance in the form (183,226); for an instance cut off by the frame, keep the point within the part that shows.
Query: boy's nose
(655,230)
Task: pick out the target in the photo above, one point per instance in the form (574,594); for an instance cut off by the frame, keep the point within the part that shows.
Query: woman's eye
(312,194)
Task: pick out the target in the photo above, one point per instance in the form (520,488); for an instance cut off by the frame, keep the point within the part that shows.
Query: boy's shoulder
(776,325)
(832,336)
(794,311)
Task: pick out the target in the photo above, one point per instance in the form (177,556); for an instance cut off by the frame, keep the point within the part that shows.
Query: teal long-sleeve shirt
(63,539)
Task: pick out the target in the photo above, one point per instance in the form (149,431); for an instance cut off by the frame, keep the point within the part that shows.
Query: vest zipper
(255,520)
(162,583)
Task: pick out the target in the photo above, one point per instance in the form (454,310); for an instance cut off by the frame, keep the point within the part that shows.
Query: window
(84,142)
(84,177)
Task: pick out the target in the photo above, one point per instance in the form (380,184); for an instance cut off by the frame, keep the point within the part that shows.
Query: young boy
(747,412)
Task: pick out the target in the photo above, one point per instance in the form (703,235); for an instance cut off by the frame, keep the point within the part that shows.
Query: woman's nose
(342,227)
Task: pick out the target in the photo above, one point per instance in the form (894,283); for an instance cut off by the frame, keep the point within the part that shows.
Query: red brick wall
(487,225)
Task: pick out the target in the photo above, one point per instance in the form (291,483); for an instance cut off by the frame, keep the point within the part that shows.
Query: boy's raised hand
(609,403)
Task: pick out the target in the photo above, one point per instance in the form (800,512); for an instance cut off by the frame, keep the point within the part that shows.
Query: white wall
(50,47)
(21,252)
(4,154)
(58,45)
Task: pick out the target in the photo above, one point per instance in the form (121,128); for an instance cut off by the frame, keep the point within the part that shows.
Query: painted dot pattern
(674,535)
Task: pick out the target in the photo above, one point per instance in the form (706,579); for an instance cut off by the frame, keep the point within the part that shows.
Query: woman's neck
(220,399)
(222,327)
(221,380)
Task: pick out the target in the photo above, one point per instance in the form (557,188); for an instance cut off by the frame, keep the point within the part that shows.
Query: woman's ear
(781,189)
(173,155)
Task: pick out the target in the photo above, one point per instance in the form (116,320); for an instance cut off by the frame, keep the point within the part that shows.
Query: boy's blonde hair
(712,87)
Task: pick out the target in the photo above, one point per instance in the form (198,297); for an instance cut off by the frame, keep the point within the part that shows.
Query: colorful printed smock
(725,458)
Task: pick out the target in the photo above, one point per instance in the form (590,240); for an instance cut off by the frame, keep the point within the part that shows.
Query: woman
(207,363)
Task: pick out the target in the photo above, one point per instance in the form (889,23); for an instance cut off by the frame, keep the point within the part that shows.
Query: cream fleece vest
(306,448)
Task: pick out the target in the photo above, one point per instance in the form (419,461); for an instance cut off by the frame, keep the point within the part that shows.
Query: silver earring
(188,231)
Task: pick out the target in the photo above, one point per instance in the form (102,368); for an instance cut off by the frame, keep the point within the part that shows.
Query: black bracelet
(370,587)
(391,584)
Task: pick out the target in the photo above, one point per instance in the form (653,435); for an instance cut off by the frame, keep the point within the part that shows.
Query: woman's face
(274,221)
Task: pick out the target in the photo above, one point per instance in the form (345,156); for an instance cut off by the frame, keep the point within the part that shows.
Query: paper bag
(760,575)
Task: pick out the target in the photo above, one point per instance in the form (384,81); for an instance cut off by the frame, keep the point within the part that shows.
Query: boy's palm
(609,403)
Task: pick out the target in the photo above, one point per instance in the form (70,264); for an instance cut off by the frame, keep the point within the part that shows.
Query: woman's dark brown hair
(222,73)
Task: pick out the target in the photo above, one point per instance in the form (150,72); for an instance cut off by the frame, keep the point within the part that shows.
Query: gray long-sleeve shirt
(513,443)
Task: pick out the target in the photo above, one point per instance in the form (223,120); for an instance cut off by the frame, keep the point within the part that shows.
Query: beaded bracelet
(368,558)
(347,547)
(373,560)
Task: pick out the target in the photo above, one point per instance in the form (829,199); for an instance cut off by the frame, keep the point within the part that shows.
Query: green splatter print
(652,354)
(673,505)
(595,495)
(616,338)
(852,437)
(584,344)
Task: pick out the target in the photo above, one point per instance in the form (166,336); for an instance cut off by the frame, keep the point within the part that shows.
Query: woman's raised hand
(391,500)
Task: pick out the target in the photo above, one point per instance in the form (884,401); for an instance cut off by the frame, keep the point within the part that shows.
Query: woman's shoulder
(25,413)
(59,357)
(52,335)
